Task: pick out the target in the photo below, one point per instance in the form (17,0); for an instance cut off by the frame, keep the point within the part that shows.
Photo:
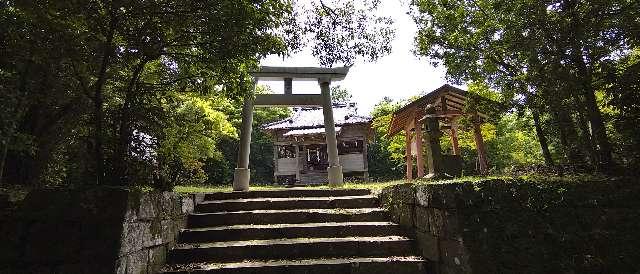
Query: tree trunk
(599,130)
(125,130)
(585,78)
(542,138)
(98,98)
(568,136)
(587,139)
(3,158)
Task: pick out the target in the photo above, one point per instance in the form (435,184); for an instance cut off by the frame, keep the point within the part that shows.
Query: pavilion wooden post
(408,157)
(419,149)
(454,138)
(435,159)
(482,151)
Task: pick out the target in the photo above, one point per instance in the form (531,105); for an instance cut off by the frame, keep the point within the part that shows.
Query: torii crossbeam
(324,76)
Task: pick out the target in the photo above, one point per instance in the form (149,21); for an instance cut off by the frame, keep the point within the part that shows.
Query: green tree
(343,31)
(385,154)
(83,78)
(340,95)
(542,55)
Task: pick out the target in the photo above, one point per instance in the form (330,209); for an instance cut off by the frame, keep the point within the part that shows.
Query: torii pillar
(324,76)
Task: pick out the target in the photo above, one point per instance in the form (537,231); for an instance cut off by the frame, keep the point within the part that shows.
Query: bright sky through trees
(399,75)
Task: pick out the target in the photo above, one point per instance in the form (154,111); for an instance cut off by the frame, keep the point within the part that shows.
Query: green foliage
(385,155)
(510,141)
(544,56)
(544,225)
(344,31)
(340,95)
(577,224)
(194,129)
(220,167)
(90,88)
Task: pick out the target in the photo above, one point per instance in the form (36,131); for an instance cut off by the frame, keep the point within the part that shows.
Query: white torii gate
(324,76)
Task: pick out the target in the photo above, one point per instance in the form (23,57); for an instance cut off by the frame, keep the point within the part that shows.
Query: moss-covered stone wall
(523,226)
(100,230)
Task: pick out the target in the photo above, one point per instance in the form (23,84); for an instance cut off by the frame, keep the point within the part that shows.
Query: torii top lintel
(267,73)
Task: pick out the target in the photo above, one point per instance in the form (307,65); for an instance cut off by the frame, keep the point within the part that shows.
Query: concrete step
(396,265)
(287,203)
(314,178)
(284,193)
(292,216)
(301,248)
(289,231)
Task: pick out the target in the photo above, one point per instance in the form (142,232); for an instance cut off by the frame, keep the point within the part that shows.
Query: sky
(398,75)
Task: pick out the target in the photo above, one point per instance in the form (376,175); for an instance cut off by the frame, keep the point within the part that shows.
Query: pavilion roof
(450,100)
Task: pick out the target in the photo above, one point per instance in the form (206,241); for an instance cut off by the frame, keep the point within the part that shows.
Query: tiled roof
(307,131)
(313,118)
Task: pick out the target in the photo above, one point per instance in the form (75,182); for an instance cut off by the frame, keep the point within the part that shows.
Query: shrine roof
(312,117)
(450,101)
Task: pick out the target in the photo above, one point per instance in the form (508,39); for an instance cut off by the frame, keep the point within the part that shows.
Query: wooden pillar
(454,138)
(419,150)
(482,152)
(432,138)
(408,157)
(275,160)
(365,156)
(288,86)
(297,149)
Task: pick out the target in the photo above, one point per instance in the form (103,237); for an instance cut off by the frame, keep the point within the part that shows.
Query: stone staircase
(292,231)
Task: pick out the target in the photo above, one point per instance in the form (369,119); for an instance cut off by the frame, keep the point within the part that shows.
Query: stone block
(169,231)
(121,265)
(137,262)
(143,206)
(436,221)
(198,198)
(428,246)
(421,222)
(398,194)
(403,215)
(443,196)
(188,204)
(157,258)
(139,235)
(454,257)
(85,268)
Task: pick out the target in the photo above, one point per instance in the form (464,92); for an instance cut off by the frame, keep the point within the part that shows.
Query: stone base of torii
(324,76)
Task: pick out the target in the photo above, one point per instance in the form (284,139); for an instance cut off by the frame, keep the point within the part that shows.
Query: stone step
(290,231)
(301,248)
(287,203)
(396,265)
(292,216)
(284,193)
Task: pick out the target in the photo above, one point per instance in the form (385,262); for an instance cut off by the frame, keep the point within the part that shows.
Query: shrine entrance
(326,157)
(317,157)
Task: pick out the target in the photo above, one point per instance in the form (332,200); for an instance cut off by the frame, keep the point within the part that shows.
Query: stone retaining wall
(104,230)
(498,226)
